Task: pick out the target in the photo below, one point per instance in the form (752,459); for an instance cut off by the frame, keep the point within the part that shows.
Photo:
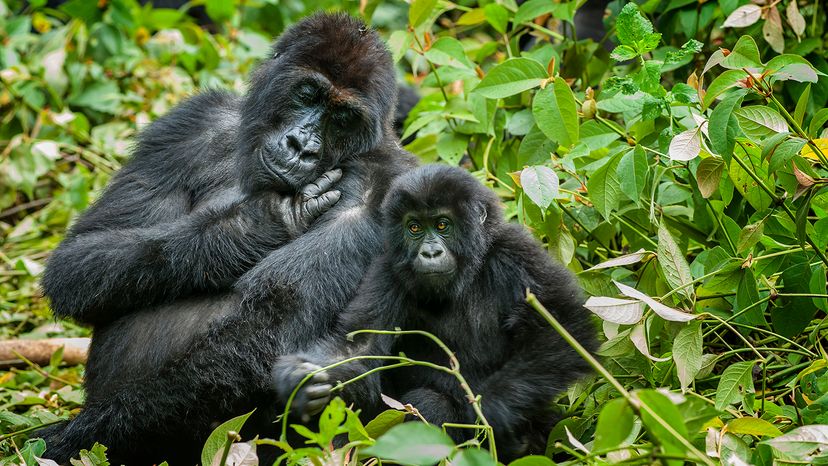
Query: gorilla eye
(442,225)
(415,228)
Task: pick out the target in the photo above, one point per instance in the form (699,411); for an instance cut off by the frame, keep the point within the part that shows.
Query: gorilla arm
(372,308)
(142,243)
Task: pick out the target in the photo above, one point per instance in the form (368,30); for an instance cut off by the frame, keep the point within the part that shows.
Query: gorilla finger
(318,391)
(323,183)
(320,377)
(315,406)
(319,205)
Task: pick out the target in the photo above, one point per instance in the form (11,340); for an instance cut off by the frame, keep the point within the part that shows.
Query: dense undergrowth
(679,169)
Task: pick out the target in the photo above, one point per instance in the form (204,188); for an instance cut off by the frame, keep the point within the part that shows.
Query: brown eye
(442,225)
(415,228)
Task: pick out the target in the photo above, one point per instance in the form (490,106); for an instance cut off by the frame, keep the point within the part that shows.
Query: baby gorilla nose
(431,251)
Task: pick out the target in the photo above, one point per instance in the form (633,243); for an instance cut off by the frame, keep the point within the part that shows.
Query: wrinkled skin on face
(311,105)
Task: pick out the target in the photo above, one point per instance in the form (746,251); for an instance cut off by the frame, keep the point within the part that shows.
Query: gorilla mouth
(278,176)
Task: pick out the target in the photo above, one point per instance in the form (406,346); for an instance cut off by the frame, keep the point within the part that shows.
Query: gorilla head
(327,92)
(437,221)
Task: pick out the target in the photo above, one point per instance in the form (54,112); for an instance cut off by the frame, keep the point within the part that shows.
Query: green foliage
(682,176)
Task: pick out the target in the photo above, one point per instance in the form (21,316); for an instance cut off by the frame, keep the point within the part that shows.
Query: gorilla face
(327,93)
(319,124)
(428,235)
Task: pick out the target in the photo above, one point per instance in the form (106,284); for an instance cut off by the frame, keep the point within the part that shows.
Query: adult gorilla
(175,229)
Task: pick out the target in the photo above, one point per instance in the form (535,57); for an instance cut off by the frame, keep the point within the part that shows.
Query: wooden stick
(40,351)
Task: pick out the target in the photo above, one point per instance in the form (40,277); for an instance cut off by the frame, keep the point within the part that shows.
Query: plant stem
(635,403)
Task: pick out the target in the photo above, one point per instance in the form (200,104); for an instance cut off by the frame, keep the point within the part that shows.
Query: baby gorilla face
(429,236)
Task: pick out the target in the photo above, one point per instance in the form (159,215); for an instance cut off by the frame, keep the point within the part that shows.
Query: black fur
(508,354)
(187,328)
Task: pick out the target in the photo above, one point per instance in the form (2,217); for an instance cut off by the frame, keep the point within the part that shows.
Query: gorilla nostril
(294,143)
(431,253)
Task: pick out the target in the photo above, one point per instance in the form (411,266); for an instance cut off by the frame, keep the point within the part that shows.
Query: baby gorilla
(453,267)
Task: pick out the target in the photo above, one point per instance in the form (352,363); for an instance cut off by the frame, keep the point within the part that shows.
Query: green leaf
(784,152)
(709,175)
(631,27)
(759,121)
(672,262)
(800,445)
(472,17)
(540,184)
(744,55)
(750,235)
(687,353)
(632,173)
(398,43)
(412,443)
(497,16)
(218,11)
(473,457)
(532,9)
(802,103)
(746,184)
(103,96)
(736,379)
(789,67)
(419,11)
(511,77)
(605,188)
(723,82)
(218,438)
(794,313)
(753,426)
(623,53)
(723,127)
(448,51)
(532,460)
(668,412)
(556,113)
(817,122)
(384,421)
(615,423)
(451,147)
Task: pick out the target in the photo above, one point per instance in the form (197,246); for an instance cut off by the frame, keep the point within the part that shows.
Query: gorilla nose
(303,145)
(430,251)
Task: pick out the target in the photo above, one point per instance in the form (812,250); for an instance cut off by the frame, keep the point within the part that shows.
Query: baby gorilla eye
(442,225)
(415,228)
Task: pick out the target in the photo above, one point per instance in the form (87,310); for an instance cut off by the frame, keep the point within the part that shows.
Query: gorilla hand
(299,211)
(312,397)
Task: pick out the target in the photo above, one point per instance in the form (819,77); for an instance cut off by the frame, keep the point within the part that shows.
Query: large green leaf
(605,188)
(556,113)
(218,438)
(673,264)
(419,11)
(736,380)
(687,353)
(412,443)
(540,184)
(511,77)
(632,173)
(615,424)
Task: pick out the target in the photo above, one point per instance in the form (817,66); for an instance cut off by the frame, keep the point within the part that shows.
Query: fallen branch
(40,351)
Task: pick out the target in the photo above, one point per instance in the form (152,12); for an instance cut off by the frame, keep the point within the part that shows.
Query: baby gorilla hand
(314,395)
(299,211)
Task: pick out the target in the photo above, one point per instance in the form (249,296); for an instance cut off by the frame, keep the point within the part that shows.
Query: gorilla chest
(475,340)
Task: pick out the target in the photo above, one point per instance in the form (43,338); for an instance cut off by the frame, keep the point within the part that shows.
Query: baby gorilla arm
(119,270)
